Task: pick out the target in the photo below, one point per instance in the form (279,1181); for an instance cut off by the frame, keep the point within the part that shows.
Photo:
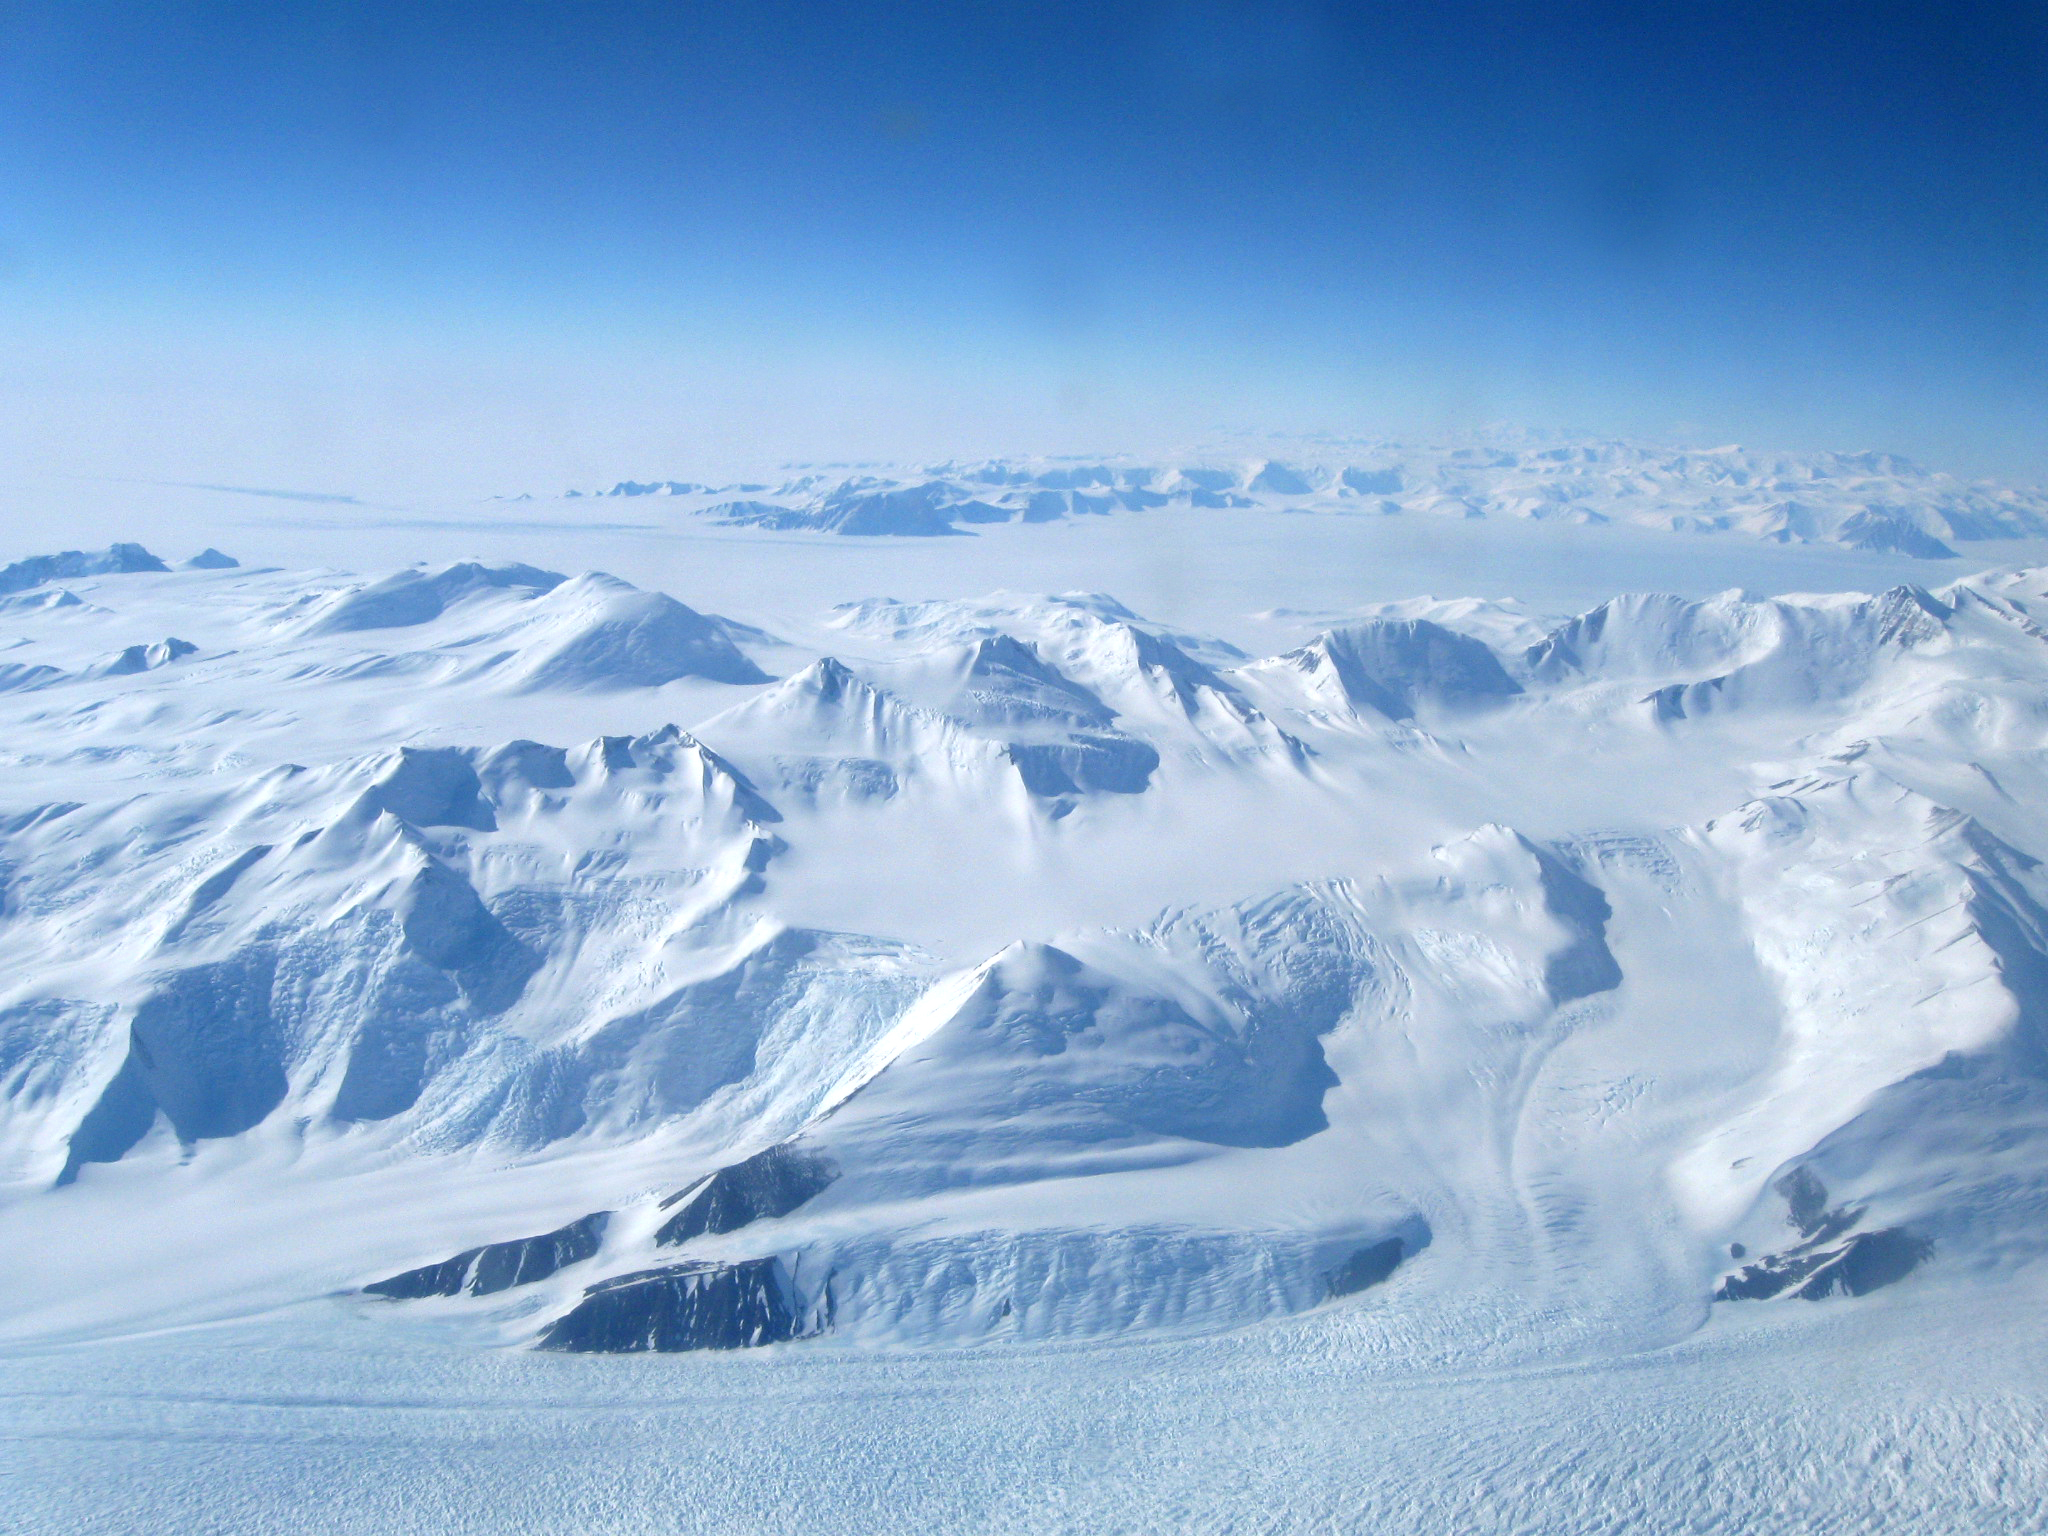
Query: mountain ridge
(1879,503)
(1409,1026)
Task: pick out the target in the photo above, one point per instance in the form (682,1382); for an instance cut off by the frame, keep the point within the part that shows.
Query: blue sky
(348,245)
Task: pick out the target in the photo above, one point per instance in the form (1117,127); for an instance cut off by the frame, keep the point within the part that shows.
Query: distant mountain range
(1869,501)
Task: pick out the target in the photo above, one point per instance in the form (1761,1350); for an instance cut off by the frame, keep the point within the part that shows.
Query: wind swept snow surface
(1470,1068)
(1922,1417)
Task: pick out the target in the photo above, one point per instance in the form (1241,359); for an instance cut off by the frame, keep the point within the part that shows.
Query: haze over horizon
(510,247)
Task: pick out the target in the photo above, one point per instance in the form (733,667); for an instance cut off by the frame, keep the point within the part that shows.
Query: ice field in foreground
(519,1023)
(1900,1413)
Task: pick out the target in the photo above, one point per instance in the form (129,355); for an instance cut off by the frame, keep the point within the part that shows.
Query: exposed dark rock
(769,1184)
(1368,1266)
(499,1266)
(685,1307)
(446,1278)
(1819,1265)
(1806,1199)
(1864,1263)
(1869,1261)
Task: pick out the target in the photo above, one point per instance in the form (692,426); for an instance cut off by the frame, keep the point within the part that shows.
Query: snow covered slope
(1867,501)
(541,957)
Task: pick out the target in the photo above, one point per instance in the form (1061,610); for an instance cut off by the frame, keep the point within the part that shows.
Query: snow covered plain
(1135,1022)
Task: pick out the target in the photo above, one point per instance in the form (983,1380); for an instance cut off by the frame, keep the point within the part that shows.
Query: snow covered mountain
(1865,501)
(1028,969)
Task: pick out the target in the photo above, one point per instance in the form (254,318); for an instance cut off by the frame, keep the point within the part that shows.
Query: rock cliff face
(686,1306)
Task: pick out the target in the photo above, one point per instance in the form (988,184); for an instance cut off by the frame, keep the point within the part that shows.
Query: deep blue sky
(493,242)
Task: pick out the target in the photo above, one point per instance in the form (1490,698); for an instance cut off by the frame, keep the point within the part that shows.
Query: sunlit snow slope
(536,953)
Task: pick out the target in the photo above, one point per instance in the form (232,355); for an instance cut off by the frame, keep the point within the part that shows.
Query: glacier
(1401,1054)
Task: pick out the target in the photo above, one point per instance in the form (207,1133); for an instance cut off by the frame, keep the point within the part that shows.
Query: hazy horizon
(515,247)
